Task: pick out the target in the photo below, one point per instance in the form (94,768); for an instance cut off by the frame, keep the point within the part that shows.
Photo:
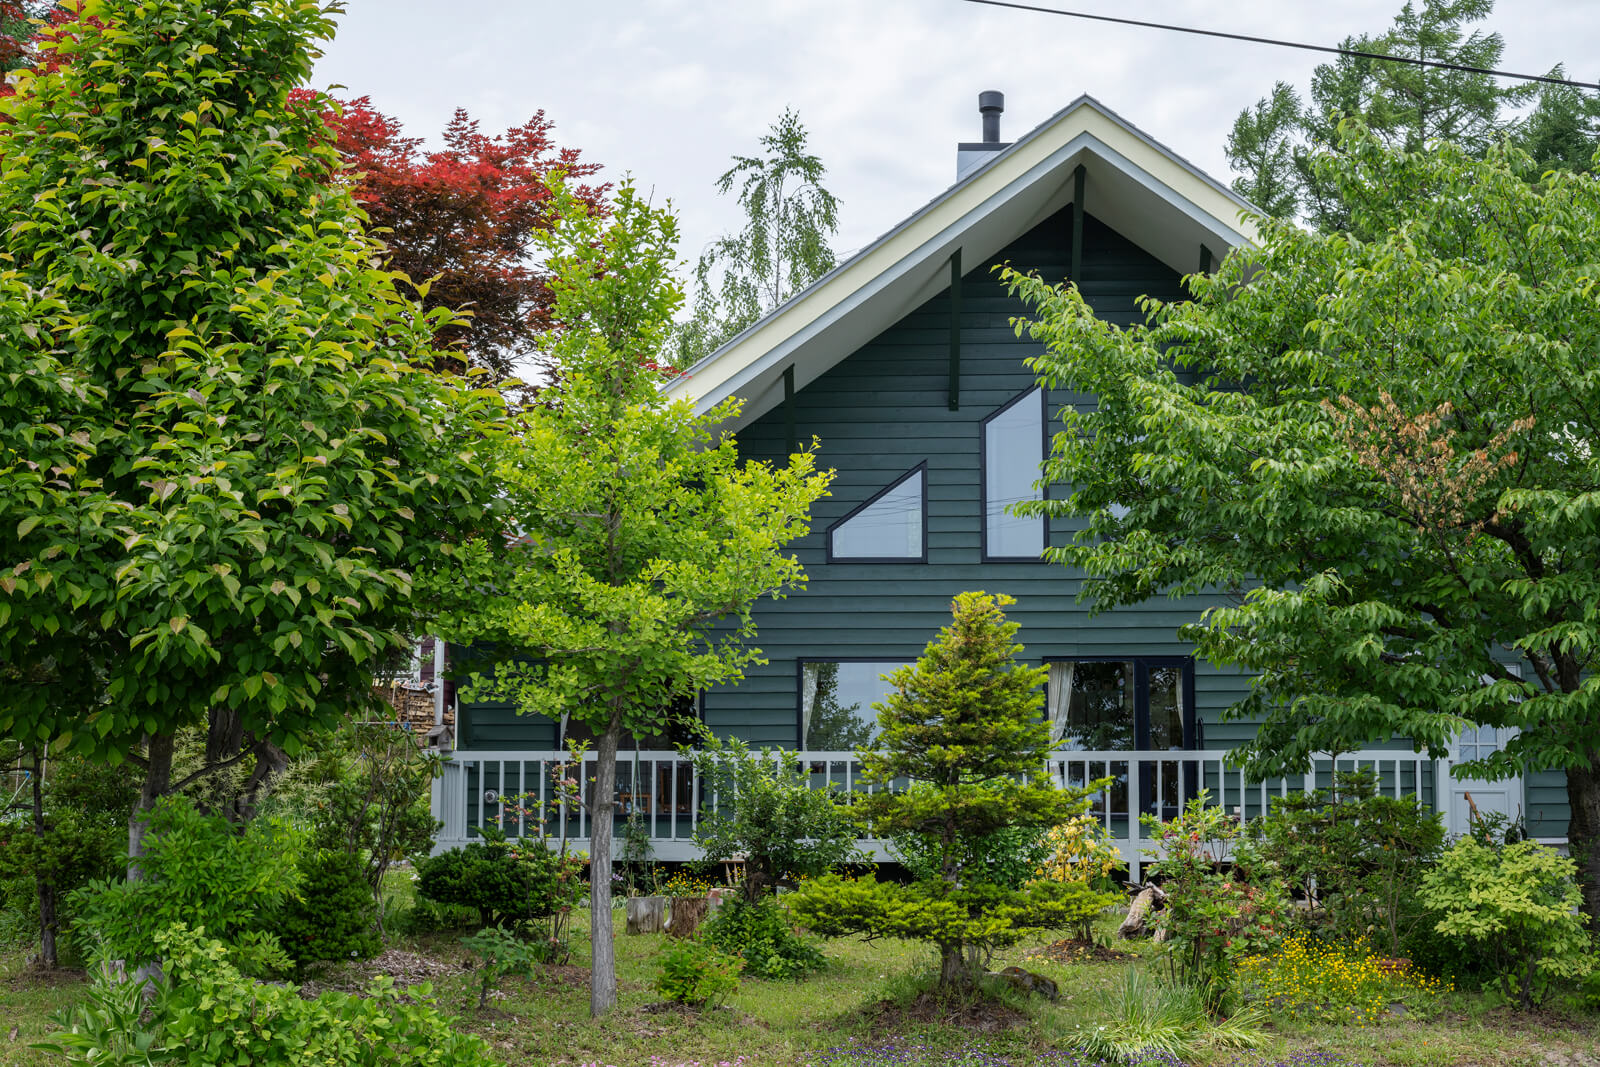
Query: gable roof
(1133,183)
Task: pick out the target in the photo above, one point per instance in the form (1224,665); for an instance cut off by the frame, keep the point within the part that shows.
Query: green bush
(1358,856)
(697,974)
(197,870)
(331,916)
(762,936)
(206,1013)
(1141,1017)
(1516,907)
(1214,916)
(501,953)
(506,884)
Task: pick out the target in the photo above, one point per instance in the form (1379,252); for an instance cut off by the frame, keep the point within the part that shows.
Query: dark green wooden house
(905,367)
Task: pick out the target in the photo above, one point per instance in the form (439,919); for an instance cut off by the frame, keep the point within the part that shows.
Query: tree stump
(687,914)
(1137,922)
(646,915)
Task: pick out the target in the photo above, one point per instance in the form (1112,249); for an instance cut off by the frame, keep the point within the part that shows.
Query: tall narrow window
(887,527)
(1013,451)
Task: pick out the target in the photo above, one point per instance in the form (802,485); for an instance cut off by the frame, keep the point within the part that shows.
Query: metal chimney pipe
(991,102)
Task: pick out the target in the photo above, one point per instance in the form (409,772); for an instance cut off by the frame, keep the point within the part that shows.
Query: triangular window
(888,527)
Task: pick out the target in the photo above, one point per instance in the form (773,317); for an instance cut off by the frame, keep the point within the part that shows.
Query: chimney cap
(991,100)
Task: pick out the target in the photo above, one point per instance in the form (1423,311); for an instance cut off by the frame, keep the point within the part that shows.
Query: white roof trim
(1133,183)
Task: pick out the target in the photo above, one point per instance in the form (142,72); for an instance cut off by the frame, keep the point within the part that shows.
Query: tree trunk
(602,811)
(1583,834)
(44,881)
(157,779)
(955,970)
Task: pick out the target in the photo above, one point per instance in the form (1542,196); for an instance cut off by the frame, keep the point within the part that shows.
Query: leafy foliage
(375,805)
(1516,904)
(697,974)
(459,222)
(225,456)
(1376,447)
(196,869)
(501,954)
(331,915)
(1082,850)
(205,1013)
(963,725)
(760,933)
(782,249)
(770,816)
(638,540)
(1358,856)
(1214,916)
(1274,143)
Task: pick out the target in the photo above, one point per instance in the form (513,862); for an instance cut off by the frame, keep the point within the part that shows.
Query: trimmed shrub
(332,915)
(505,883)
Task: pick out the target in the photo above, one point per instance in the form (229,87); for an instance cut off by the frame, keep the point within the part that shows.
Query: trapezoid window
(836,698)
(1013,451)
(888,527)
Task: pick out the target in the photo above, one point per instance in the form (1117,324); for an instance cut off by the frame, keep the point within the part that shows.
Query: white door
(1503,796)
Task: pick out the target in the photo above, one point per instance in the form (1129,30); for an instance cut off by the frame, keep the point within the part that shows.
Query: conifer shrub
(964,726)
(332,915)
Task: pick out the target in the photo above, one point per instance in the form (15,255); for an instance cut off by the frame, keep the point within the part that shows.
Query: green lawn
(546,1021)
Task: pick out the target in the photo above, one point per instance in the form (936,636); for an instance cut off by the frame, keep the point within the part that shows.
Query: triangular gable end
(1140,188)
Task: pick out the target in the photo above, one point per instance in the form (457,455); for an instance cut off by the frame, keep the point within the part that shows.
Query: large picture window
(1013,451)
(888,527)
(836,698)
(1141,704)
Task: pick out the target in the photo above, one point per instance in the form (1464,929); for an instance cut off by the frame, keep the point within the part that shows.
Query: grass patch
(837,1017)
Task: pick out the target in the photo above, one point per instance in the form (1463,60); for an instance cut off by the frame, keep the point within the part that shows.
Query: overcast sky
(668,90)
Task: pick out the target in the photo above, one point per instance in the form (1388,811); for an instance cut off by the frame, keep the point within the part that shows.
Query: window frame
(920,468)
(984,555)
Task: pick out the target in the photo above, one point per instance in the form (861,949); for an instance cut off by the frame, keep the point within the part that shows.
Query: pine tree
(963,724)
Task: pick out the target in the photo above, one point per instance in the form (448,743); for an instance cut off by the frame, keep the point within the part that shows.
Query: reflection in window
(1013,450)
(1116,705)
(836,713)
(889,526)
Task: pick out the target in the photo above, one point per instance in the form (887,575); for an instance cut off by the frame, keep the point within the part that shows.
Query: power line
(1545,78)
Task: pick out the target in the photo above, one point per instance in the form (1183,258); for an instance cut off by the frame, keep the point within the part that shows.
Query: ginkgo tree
(638,540)
(222,455)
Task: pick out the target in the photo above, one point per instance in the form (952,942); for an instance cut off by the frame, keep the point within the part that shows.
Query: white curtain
(808,701)
(1059,700)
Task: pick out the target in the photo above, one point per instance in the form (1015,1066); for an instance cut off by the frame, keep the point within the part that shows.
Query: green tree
(1385,456)
(1272,144)
(639,539)
(782,249)
(770,816)
(222,457)
(963,725)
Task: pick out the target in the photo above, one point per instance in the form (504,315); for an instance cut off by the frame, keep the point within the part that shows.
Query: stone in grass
(1029,982)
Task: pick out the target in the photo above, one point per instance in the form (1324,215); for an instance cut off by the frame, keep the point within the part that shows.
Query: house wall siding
(882,411)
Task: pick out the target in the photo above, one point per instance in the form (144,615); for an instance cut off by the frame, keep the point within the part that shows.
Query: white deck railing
(516,791)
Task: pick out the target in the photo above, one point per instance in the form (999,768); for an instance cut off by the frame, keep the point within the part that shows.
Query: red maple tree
(464,215)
